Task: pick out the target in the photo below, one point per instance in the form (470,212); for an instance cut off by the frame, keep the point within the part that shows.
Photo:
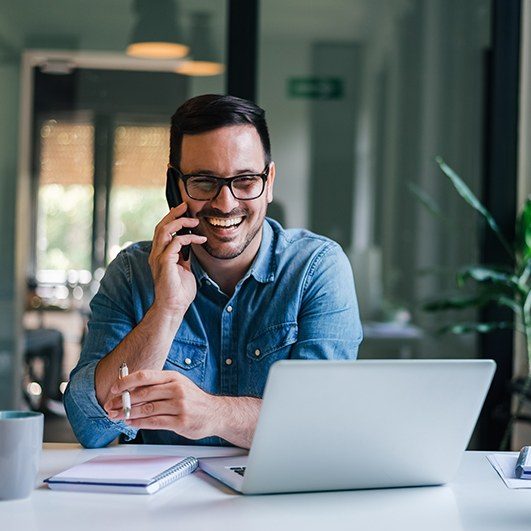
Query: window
(137,201)
(65,197)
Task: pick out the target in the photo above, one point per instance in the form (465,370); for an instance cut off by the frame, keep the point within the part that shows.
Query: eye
(247,181)
(201,182)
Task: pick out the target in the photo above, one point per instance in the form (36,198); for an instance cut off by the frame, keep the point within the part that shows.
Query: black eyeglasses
(202,187)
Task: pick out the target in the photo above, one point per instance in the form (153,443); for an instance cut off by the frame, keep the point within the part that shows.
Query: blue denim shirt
(296,301)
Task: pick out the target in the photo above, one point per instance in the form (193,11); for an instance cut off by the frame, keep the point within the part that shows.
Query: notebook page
(119,468)
(504,464)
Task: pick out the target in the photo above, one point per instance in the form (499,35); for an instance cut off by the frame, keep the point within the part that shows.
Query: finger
(147,393)
(164,240)
(171,253)
(148,409)
(177,224)
(142,378)
(159,422)
(175,212)
(165,233)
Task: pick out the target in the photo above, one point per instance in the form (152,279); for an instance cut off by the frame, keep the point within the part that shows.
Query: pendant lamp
(156,33)
(205,58)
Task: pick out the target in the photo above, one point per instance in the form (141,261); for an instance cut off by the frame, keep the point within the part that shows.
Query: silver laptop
(334,425)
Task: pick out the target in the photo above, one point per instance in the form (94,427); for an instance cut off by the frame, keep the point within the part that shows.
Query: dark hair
(212,111)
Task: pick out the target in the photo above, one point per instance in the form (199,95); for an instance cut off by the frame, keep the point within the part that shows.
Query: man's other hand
(165,400)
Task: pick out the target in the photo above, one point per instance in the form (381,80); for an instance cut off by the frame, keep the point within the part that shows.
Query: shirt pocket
(189,358)
(267,346)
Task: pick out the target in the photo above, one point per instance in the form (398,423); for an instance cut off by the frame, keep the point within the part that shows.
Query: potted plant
(505,286)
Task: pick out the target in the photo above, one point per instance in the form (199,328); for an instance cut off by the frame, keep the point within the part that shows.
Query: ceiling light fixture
(205,60)
(156,34)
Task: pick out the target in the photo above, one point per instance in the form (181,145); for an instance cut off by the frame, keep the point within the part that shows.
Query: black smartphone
(174,198)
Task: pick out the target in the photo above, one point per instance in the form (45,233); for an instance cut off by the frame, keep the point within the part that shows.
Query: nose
(224,201)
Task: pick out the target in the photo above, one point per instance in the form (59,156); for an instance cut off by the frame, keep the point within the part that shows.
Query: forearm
(236,419)
(145,347)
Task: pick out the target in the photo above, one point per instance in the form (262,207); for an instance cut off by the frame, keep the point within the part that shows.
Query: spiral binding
(181,469)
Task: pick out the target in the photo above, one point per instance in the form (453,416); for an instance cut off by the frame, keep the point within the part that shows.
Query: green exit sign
(315,88)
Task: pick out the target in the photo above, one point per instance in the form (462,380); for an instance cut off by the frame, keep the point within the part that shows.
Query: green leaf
(464,191)
(510,303)
(523,232)
(430,204)
(484,274)
(527,305)
(482,328)
(476,301)
(453,303)
(525,274)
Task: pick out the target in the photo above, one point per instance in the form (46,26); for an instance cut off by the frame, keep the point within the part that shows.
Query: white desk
(476,500)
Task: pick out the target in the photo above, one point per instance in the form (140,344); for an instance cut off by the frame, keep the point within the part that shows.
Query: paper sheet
(504,464)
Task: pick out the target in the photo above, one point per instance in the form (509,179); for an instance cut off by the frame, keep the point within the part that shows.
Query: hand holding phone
(174,283)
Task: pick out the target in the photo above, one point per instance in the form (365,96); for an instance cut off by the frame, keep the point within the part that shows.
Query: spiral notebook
(134,474)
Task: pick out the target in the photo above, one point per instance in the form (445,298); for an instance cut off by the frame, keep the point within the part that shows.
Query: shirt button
(187,361)
(228,361)
(229,309)
(257,352)
(207,282)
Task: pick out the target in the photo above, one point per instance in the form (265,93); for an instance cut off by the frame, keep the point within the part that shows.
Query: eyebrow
(213,173)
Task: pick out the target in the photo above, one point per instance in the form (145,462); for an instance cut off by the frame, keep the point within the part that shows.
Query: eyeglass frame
(222,181)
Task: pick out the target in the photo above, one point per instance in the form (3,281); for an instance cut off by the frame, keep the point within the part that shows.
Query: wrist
(220,414)
(170,316)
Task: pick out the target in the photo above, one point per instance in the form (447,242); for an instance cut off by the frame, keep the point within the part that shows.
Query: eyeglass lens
(204,188)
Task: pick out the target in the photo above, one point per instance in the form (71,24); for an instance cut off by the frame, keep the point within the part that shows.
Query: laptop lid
(330,425)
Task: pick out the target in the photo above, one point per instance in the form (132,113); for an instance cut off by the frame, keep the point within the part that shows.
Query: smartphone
(174,198)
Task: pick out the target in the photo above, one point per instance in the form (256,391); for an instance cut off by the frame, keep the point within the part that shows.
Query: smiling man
(200,334)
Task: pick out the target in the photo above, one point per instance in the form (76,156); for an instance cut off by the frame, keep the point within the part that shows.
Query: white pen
(126,397)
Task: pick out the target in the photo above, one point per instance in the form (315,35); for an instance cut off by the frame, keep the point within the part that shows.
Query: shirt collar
(264,265)
(197,270)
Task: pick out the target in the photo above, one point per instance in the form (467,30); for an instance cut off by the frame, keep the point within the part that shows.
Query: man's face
(229,224)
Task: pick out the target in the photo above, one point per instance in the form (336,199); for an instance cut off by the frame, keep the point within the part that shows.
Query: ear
(270,182)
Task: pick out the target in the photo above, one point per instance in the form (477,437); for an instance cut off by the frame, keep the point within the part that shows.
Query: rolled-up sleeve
(112,318)
(329,324)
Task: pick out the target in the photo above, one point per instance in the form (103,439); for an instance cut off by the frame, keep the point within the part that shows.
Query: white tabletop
(476,500)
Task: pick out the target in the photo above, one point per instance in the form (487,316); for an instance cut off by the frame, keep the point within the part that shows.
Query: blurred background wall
(360,95)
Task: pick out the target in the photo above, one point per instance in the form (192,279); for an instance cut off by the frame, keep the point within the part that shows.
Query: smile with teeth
(224,222)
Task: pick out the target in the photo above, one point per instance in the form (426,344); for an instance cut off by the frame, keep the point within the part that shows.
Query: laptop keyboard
(238,469)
